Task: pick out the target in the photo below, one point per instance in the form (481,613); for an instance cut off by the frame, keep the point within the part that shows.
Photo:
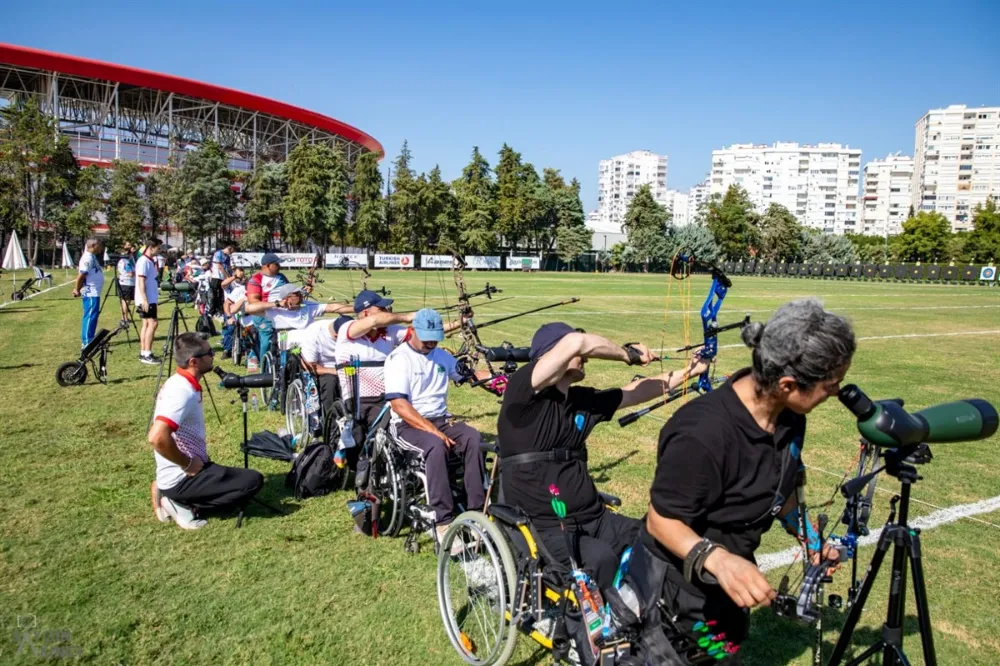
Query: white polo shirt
(371,348)
(296,319)
(94,283)
(178,404)
(126,271)
(420,378)
(147,269)
(319,344)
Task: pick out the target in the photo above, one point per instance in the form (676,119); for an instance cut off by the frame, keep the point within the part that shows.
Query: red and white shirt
(266,286)
(371,348)
(178,404)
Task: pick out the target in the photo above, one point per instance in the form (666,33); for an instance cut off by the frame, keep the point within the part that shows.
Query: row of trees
(312,200)
(729,228)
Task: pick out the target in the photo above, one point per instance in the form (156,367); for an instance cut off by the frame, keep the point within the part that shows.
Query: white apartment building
(886,195)
(620,177)
(678,205)
(817,183)
(956,162)
(698,196)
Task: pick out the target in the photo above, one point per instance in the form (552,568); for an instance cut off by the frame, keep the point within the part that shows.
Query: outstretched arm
(650,388)
(363,326)
(549,370)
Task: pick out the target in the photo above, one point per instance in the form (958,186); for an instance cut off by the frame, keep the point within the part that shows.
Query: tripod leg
(855,613)
(892,630)
(861,658)
(920,596)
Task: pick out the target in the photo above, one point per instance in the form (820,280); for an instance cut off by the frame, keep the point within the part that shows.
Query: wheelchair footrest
(610,500)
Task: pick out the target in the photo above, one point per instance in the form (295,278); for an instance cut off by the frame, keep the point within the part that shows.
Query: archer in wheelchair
(96,353)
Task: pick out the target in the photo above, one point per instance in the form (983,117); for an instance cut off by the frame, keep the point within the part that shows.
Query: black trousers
(216,487)
(329,391)
(216,287)
(436,455)
(598,544)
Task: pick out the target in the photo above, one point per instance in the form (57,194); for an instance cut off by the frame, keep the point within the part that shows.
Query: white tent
(13,258)
(107,257)
(67,259)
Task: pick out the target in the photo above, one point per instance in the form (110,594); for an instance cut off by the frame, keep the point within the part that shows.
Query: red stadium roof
(24,56)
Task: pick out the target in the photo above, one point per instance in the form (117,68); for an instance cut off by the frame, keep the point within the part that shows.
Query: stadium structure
(110,111)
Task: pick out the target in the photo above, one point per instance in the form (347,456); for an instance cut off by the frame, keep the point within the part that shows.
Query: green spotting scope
(886,423)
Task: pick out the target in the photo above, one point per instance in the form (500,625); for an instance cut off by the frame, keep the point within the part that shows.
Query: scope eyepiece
(856,401)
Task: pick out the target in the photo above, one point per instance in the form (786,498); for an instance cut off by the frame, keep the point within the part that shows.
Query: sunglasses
(210,352)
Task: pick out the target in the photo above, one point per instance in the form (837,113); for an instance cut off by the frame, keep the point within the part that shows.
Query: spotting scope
(230,381)
(885,422)
(178,286)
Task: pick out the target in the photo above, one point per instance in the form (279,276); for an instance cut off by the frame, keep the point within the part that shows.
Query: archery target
(751,266)
(816,269)
(738,267)
(951,272)
(870,270)
(900,271)
(884,271)
(916,272)
(782,269)
(842,270)
(856,270)
(969,273)
(988,273)
(933,272)
(828,269)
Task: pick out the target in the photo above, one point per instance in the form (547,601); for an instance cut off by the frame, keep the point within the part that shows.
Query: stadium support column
(55,102)
(170,127)
(118,129)
(255,140)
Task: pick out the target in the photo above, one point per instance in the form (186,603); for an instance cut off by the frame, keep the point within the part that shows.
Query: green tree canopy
(263,212)
(369,227)
(202,198)
(734,223)
(315,205)
(647,226)
(925,237)
(406,219)
(439,209)
(779,235)
(126,211)
(983,243)
(475,192)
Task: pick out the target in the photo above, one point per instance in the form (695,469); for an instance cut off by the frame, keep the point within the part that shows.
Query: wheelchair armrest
(486,447)
(509,515)
(610,500)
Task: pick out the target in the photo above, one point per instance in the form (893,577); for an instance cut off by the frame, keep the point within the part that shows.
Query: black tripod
(906,543)
(113,287)
(244,392)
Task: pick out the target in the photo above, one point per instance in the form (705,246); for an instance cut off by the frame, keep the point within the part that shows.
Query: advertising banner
(288,260)
(519,263)
(393,261)
(482,263)
(338,260)
(437,261)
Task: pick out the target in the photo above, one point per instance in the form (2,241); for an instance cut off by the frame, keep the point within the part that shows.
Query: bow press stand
(904,437)
(243,386)
(176,292)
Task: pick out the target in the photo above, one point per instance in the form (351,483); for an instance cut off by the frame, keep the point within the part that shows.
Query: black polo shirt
(720,473)
(550,419)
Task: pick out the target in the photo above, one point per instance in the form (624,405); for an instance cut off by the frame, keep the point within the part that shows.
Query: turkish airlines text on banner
(393,261)
(347,260)
(483,263)
(296,260)
(437,261)
(519,263)
(988,273)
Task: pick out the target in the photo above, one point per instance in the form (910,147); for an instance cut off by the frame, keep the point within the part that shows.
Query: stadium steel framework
(111,111)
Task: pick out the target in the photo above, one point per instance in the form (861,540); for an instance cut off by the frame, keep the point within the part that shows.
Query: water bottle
(628,596)
(253,402)
(253,365)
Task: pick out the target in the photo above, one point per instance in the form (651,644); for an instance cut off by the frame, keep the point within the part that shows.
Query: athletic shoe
(457,545)
(158,510)
(182,515)
(149,360)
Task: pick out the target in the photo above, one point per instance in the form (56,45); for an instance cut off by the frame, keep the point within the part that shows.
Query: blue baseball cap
(370,299)
(270,258)
(428,326)
(547,337)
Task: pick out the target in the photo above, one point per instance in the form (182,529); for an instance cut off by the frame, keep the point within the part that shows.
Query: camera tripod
(167,357)
(906,548)
(244,393)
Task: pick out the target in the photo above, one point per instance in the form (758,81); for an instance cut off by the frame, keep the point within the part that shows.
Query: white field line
(885,337)
(38,294)
(735,311)
(785,557)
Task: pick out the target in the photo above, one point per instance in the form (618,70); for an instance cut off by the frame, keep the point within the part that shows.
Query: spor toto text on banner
(303,259)
(393,261)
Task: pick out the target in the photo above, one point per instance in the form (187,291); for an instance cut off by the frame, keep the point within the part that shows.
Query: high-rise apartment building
(698,196)
(620,178)
(817,183)
(678,205)
(956,163)
(886,195)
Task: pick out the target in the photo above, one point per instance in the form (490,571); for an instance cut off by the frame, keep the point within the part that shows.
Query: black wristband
(634,355)
(695,561)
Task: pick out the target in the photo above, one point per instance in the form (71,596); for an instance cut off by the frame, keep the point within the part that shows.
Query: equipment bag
(313,473)
(206,324)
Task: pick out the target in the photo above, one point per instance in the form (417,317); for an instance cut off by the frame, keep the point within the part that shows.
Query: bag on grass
(313,473)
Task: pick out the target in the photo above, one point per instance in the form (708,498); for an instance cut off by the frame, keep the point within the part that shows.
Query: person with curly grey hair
(729,464)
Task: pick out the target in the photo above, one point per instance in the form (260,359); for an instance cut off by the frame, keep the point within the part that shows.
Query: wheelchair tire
(497,575)
(386,483)
(17,296)
(237,346)
(72,373)
(296,416)
(266,367)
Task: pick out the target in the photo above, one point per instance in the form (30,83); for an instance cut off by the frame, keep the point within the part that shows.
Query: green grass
(80,551)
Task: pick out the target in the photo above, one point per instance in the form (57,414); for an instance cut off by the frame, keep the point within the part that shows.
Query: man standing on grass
(126,278)
(187,481)
(147,295)
(221,270)
(89,283)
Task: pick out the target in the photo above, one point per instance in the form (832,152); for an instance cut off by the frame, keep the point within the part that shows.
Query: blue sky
(565,84)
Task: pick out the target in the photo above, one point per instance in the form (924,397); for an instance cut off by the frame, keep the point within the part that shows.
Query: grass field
(107,584)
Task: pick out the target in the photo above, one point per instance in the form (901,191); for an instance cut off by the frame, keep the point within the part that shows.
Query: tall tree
(779,234)
(647,225)
(153,199)
(733,222)
(440,210)
(202,194)
(699,240)
(475,192)
(407,219)
(573,241)
(369,228)
(925,237)
(264,192)
(510,196)
(983,243)
(315,207)
(126,211)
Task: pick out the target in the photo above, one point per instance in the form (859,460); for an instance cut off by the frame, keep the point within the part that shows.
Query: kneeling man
(416,386)
(187,481)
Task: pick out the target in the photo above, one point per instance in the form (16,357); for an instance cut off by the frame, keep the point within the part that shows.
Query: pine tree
(734,223)
(476,196)
(202,195)
(315,206)
(368,228)
(265,193)
(125,210)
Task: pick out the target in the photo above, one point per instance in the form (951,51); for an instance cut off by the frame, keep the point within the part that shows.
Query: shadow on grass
(18,367)
(273,493)
(10,310)
(599,472)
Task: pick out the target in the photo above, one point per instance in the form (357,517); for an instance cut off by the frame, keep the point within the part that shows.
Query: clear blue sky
(565,85)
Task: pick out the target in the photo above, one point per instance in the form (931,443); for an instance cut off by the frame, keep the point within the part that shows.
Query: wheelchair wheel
(296,415)
(71,373)
(17,295)
(387,485)
(266,367)
(238,346)
(475,589)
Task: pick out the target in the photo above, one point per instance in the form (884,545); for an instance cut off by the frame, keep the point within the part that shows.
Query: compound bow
(681,267)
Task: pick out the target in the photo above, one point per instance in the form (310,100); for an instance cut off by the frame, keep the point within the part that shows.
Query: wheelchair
(74,373)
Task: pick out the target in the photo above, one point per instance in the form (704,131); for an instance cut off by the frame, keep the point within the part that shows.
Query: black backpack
(313,472)
(206,324)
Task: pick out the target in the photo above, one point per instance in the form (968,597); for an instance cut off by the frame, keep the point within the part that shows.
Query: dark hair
(802,341)
(229,243)
(153,241)
(186,346)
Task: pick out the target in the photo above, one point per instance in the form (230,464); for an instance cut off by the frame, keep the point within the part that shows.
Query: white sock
(144,352)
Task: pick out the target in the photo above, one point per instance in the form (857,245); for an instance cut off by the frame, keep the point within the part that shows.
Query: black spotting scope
(177,286)
(886,423)
(231,381)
